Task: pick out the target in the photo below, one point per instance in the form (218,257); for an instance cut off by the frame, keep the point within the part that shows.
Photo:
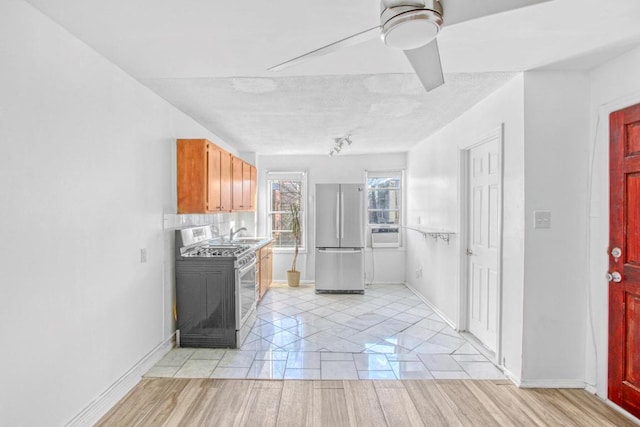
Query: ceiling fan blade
(456,11)
(348,41)
(425,60)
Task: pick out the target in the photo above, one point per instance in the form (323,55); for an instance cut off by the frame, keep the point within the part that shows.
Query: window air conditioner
(385,237)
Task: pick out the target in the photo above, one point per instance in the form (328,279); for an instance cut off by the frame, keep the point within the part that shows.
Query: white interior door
(483,245)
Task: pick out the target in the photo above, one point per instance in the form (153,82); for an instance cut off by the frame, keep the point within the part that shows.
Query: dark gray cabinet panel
(205,303)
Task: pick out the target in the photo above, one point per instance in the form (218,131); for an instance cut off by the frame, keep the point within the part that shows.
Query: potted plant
(293,275)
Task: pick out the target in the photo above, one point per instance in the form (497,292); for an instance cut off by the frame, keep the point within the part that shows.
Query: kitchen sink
(250,240)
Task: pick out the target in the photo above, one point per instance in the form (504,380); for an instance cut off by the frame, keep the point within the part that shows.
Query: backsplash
(220,223)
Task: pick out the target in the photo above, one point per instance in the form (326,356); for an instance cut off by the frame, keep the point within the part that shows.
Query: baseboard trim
(284,282)
(431,306)
(385,283)
(510,376)
(552,384)
(101,405)
(543,383)
(621,410)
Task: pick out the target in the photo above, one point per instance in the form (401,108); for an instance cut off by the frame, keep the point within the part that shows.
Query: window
(286,189)
(384,193)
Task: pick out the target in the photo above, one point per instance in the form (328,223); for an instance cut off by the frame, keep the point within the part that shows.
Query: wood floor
(213,402)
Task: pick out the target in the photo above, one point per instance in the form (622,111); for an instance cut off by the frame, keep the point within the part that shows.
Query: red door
(624,258)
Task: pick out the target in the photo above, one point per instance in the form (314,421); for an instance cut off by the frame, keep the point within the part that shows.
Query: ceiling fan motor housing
(410,27)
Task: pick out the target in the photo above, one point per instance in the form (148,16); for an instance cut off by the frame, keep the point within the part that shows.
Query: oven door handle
(246,267)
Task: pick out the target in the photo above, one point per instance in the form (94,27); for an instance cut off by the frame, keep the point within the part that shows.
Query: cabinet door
(254,189)
(259,273)
(246,186)
(205,300)
(213,178)
(263,274)
(266,263)
(192,175)
(236,173)
(225,181)
(269,265)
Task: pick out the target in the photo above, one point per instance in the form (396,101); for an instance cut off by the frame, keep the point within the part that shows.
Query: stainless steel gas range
(215,290)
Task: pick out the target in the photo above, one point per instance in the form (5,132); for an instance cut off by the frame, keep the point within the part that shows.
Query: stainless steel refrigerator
(340,238)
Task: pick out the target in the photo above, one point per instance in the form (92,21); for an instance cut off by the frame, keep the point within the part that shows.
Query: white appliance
(385,237)
(340,238)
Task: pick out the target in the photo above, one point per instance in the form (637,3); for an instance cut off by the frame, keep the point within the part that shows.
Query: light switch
(541,219)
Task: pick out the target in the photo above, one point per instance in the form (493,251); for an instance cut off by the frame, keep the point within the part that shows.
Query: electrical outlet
(143,255)
(541,219)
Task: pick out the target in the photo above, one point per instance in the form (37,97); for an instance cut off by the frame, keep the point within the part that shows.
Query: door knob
(469,252)
(614,277)
(616,252)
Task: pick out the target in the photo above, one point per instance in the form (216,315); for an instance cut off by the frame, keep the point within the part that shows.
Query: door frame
(463,187)
(599,237)
(611,390)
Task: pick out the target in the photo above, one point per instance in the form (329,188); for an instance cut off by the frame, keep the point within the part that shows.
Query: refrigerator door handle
(341,215)
(338,215)
(339,251)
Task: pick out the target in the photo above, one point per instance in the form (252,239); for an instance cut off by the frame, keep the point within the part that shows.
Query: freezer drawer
(340,270)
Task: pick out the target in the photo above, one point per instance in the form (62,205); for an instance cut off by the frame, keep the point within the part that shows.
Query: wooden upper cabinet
(254,183)
(192,175)
(236,171)
(225,180)
(207,178)
(213,180)
(219,179)
(244,185)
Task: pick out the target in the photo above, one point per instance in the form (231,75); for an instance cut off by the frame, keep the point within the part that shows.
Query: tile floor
(387,333)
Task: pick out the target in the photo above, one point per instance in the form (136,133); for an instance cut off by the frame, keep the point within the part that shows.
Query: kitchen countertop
(256,242)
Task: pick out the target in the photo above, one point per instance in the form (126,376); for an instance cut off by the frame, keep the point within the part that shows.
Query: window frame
(292,176)
(385,174)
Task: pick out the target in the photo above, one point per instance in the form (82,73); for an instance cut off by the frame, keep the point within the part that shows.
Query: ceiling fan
(413,26)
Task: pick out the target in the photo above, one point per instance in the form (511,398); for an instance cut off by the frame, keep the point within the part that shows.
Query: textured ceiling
(209,58)
(302,115)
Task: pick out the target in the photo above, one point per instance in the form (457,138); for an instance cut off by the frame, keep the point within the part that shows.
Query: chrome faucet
(233,233)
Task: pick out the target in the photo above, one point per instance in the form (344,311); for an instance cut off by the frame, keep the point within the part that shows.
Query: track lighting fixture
(339,144)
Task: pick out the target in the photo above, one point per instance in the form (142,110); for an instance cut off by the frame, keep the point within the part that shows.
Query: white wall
(87,171)
(432,194)
(556,179)
(614,86)
(321,170)
(548,139)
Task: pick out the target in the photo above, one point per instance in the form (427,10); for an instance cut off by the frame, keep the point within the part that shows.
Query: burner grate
(217,251)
